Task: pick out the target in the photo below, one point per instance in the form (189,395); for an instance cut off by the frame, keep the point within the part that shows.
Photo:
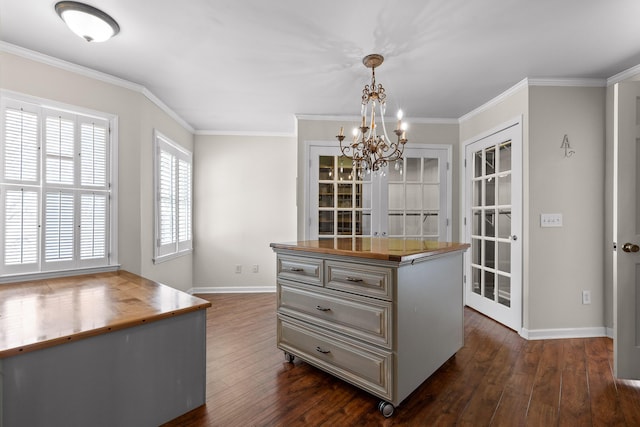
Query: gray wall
(565,261)
(244,199)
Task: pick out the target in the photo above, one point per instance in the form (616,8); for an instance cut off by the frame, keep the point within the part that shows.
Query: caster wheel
(289,357)
(386,408)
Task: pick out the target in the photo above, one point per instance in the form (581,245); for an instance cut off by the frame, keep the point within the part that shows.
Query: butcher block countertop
(44,313)
(387,249)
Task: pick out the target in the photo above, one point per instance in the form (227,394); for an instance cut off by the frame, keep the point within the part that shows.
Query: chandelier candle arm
(370,151)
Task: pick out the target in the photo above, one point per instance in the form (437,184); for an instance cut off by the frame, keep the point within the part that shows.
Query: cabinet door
(417,196)
(339,197)
(411,198)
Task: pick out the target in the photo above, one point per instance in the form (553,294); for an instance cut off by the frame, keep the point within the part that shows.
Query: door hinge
(465,163)
(447,165)
(464,278)
(447,222)
(465,220)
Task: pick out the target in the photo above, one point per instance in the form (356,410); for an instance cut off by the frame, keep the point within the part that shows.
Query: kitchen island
(106,349)
(380,313)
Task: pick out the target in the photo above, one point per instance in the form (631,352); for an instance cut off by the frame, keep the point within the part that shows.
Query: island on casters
(382,314)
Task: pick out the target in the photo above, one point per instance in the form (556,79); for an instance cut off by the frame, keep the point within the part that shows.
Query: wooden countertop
(44,313)
(388,249)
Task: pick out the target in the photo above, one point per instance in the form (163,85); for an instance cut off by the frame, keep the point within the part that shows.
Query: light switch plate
(551,220)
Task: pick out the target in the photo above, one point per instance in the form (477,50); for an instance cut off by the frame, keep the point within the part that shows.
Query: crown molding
(624,75)
(568,82)
(491,103)
(334,118)
(528,82)
(93,74)
(245,133)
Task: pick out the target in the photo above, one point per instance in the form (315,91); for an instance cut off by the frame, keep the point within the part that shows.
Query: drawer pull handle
(321,350)
(321,308)
(354,279)
(296,269)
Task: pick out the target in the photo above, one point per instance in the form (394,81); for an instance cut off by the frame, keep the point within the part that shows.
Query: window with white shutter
(173,195)
(55,194)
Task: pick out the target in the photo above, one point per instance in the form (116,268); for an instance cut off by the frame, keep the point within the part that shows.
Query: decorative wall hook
(568,152)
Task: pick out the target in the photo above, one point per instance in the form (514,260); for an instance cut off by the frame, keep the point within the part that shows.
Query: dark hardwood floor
(496,379)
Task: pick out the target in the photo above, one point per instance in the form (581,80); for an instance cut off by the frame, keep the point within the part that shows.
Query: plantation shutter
(19,204)
(184,204)
(20,208)
(94,204)
(59,226)
(21,145)
(93,226)
(173,168)
(55,192)
(59,150)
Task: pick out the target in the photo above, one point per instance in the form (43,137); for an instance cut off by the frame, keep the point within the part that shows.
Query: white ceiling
(251,65)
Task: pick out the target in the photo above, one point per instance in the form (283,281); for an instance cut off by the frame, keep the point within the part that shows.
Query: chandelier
(370,150)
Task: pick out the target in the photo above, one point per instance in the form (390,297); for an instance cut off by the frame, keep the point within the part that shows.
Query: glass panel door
(344,199)
(493,224)
(411,198)
(417,196)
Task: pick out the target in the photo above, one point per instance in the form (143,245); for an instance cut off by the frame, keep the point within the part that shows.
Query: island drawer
(306,270)
(369,280)
(365,318)
(365,367)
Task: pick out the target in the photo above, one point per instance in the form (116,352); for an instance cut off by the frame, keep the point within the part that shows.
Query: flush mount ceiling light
(370,149)
(86,21)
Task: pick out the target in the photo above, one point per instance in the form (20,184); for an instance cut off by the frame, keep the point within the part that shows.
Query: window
(55,192)
(173,177)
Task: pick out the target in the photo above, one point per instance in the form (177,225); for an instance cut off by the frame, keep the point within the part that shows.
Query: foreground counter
(108,349)
(382,314)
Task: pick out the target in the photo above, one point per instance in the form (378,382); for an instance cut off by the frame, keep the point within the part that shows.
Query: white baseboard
(545,334)
(610,332)
(231,289)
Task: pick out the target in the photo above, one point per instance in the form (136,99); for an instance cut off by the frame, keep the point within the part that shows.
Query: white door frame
(514,128)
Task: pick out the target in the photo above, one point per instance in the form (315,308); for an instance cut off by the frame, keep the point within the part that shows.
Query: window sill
(169,257)
(24,277)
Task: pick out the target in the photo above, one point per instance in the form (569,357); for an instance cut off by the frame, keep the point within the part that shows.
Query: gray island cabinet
(382,314)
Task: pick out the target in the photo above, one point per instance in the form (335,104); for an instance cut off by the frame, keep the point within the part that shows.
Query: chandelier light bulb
(399,115)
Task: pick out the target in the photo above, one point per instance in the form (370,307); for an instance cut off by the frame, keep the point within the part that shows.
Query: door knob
(630,247)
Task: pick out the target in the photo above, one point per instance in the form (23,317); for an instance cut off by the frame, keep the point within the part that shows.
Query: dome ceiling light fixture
(86,21)
(370,150)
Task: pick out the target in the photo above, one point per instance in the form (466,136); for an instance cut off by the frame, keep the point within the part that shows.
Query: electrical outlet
(255,268)
(551,220)
(238,269)
(586,297)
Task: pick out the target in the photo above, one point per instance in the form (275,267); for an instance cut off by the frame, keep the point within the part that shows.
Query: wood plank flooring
(496,379)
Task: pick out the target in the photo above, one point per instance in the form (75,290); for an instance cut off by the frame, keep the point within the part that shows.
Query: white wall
(245,199)
(137,116)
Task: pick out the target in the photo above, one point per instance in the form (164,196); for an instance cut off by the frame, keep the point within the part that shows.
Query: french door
(493,226)
(410,198)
